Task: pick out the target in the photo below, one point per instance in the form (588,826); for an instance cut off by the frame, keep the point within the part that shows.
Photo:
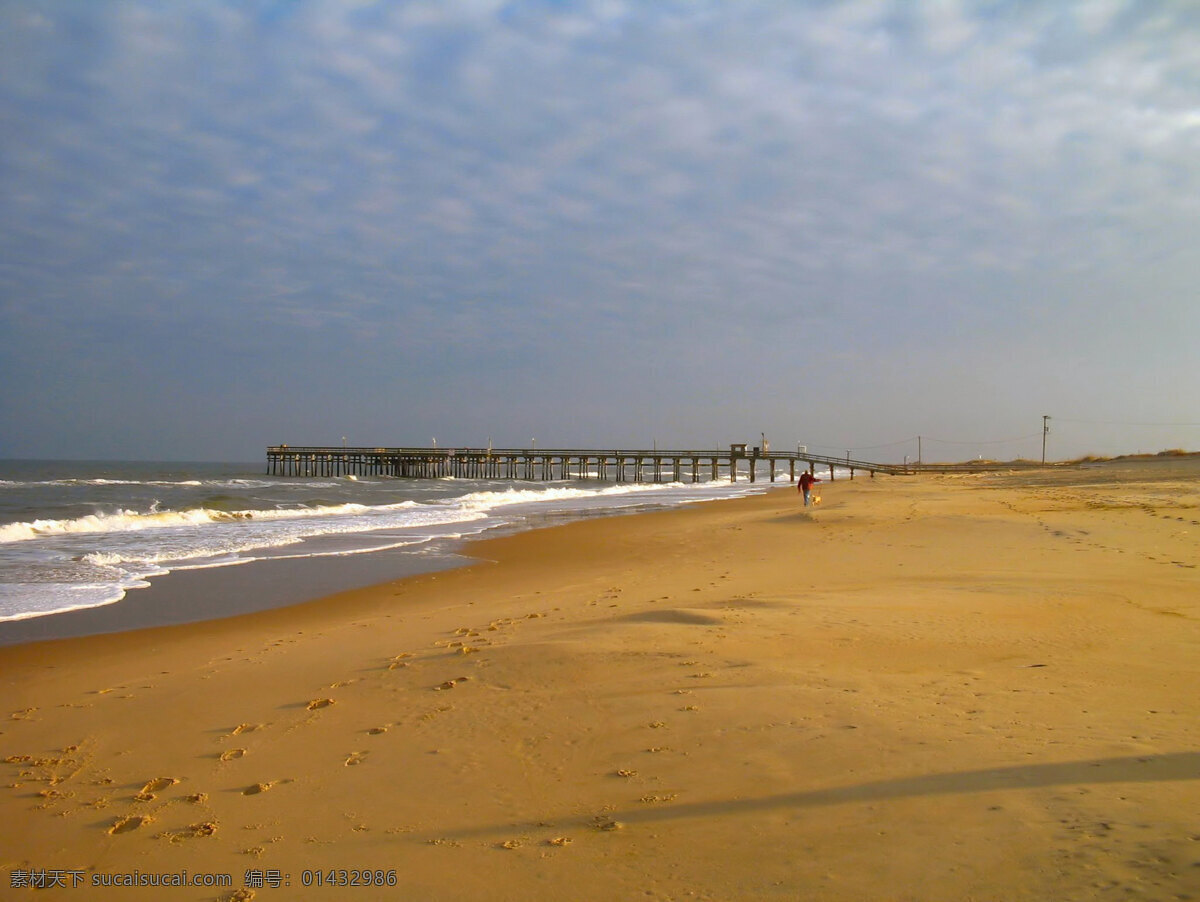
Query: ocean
(77,535)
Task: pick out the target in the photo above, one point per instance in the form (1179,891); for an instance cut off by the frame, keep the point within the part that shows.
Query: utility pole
(1045,432)
(918,450)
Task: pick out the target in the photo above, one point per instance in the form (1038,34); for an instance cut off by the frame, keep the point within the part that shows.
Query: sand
(926,688)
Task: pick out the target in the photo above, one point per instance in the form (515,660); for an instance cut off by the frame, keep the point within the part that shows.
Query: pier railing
(614,465)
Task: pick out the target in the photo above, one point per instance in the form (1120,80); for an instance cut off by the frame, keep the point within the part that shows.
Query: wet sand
(189,596)
(933,688)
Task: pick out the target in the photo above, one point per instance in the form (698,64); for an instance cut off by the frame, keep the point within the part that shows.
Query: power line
(1114,423)
(919,438)
(996,441)
(1001,441)
(906,441)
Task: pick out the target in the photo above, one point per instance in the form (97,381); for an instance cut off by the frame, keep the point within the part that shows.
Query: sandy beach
(925,688)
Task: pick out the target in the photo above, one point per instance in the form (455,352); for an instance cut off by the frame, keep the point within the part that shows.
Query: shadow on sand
(1140,769)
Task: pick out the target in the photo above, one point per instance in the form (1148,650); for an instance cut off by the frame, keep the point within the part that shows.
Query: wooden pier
(736,462)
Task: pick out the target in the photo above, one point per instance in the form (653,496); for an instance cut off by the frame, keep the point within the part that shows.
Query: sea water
(78,535)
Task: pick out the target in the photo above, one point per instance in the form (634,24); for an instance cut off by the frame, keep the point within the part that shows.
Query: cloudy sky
(230,224)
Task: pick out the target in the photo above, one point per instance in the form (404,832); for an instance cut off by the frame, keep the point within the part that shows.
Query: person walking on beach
(805,485)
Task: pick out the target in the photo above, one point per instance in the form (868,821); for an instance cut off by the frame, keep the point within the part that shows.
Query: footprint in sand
(318,703)
(232,754)
(258,788)
(192,831)
(245,728)
(128,823)
(355,758)
(148,792)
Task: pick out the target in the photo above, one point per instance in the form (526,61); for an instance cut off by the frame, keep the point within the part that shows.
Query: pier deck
(616,465)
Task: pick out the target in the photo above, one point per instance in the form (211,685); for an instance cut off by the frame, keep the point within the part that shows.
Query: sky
(857,226)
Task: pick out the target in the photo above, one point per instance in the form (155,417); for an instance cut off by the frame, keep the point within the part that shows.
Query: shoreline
(83,538)
(934,688)
(186,596)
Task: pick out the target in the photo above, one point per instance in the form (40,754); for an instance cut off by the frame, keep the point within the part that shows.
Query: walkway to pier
(737,462)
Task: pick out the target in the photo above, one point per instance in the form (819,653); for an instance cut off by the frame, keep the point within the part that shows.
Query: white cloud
(373,170)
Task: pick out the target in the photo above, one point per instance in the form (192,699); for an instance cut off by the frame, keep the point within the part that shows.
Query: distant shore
(925,687)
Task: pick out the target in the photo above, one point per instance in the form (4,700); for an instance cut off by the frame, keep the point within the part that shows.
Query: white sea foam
(23,601)
(133,521)
(488,500)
